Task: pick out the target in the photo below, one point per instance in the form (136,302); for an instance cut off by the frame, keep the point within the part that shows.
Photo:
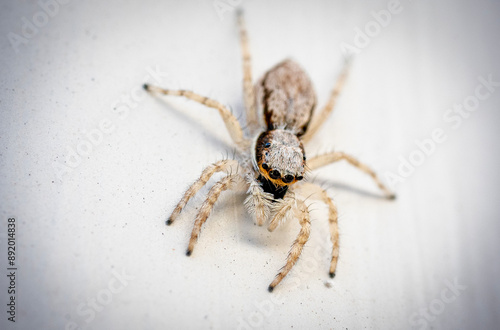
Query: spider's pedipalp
(258,202)
(283,210)
(298,244)
(225,183)
(207,173)
(331,157)
(232,124)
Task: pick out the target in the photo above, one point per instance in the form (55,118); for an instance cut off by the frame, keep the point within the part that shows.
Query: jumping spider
(270,158)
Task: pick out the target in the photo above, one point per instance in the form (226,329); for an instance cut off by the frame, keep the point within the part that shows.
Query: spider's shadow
(175,109)
(325,183)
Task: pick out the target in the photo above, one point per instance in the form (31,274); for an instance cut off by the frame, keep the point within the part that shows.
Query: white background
(76,230)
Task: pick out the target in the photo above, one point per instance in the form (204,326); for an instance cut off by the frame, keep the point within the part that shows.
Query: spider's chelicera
(270,161)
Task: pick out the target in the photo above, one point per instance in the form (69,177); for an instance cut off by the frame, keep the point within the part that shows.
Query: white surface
(108,213)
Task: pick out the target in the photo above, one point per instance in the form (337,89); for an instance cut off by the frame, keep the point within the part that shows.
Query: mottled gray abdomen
(286,98)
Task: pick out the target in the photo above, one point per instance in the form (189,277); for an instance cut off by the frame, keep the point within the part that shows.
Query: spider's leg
(220,166)
(325,159)
(258,202)
(225,183)
(248,91)
(297,245)
(232,124)
(283,210)
(332,221)
(321,117)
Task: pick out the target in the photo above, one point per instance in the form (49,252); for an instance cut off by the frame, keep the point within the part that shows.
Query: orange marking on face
(277,182)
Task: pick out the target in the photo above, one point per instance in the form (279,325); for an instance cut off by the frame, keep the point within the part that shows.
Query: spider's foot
(270,288)
(188,252)
(332,274)
(391,196)
(169,222)
(146,87)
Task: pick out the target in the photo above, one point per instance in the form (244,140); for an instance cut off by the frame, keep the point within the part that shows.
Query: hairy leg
(298,244)
(325,159)
(232,124)
(226,183)
(220,166)
(321,194)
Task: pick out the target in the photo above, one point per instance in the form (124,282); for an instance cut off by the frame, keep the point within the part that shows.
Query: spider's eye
(304,157)
(288,178)
(265,166)
(267,145)
(300,177)
(274,174)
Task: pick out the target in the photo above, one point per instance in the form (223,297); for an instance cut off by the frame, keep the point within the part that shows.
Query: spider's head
(280,157)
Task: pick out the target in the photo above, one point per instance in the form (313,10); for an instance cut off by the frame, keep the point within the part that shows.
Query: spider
(270,159)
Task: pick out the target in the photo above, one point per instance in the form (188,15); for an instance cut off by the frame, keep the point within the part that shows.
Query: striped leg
(248,91)
(220,166)
(298,244)
(207,206)
(332,221)
(321,117)
(232,124)
(332,157)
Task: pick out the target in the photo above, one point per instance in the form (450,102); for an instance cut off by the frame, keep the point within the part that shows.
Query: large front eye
(265,166)
(274,174)
(288,178)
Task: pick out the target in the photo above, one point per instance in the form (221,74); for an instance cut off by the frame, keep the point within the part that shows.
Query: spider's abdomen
(286,98)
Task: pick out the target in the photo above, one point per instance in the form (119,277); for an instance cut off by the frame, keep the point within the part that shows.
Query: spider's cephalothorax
(280,159)
(270,161)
